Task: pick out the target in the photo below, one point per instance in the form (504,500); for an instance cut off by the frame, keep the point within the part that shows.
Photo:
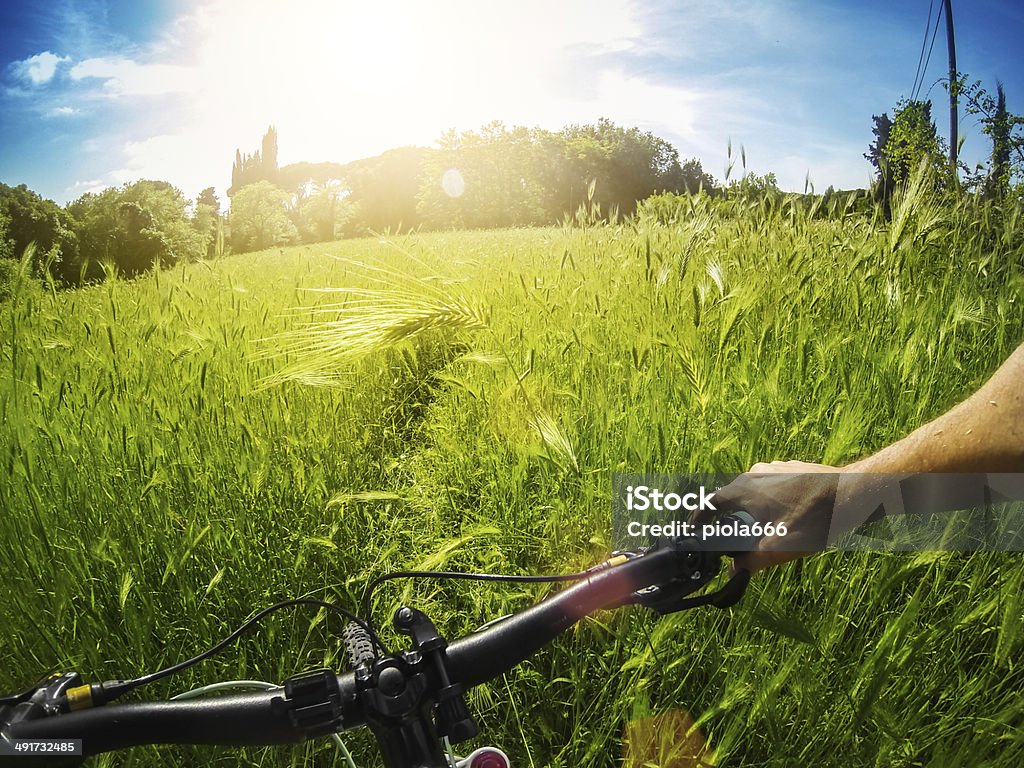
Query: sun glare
(343,80)
(324,71)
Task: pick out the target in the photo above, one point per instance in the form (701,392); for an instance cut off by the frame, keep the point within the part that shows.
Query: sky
(98,93)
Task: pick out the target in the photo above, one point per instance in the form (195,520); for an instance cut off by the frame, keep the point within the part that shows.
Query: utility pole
(953,86)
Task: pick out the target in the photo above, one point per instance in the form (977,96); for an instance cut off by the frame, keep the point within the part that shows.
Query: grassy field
(163,474)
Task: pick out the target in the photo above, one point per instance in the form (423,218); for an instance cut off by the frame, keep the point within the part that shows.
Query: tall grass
(162,475)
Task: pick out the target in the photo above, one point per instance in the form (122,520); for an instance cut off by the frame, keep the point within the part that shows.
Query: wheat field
(179,450)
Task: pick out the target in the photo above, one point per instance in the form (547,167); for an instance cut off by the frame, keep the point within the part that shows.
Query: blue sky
(97,93)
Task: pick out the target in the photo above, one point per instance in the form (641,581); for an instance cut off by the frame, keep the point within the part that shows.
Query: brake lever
(671,598)
(49,695)
(698,566)
(733,590)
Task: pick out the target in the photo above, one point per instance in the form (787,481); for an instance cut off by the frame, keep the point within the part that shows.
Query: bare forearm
(960,460)
(984,433)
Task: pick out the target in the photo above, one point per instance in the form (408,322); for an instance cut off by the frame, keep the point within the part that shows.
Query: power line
(935,30)
(924,43)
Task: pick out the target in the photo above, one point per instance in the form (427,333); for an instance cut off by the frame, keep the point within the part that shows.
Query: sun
(343,80)
(328,70)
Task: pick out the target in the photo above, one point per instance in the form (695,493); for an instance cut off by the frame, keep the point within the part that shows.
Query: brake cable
(101,693)
(616,559)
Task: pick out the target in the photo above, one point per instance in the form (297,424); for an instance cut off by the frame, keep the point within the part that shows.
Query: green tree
(693,178)
(752,187)
(384,190)
(9,267)
(27,218)
(501,176)
(6,242)
(206,218)
(322,214)
(135,228)
(259,166)
(998,127)
(259,217)
(901,145)
(1004,129)
(627,165)
(486,178)
(876,155)
(913,139)
(96,217)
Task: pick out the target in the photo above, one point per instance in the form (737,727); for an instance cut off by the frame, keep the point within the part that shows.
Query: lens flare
(670,740)
(452,183)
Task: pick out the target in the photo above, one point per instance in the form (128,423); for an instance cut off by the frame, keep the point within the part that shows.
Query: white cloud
(124,77)
(63,111)
(637,101)
(183,159)
(80,188)
(39,69)
(343,81)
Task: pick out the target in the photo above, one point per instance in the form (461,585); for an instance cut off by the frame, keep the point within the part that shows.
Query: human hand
(799,494)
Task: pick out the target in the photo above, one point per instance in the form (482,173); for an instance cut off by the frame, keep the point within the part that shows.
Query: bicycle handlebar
(480,657)
(283,715)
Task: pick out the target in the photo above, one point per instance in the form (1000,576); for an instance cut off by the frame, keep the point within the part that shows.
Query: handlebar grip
(479,657)
(358,645)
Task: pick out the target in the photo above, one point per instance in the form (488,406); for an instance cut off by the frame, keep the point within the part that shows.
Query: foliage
(669,208)
(885,184)
(694,178)
(383,191)
(6,242)
(519,176)
(206,219)
(901,146)
(490,178)
(1006,130)
(321,214)
(16,278)
(259,166)
(751,187)
(134,228)
(494,177)
(259,218)
(627,164)
(913,140)
(295,176)
(27,218)
(998,128)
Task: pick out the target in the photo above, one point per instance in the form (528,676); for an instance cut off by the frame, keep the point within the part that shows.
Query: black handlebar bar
(279,715)
(245,719)
(480,657)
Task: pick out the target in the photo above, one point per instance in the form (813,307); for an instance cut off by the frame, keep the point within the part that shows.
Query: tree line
(125,230)
(910,141)
(496,176)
